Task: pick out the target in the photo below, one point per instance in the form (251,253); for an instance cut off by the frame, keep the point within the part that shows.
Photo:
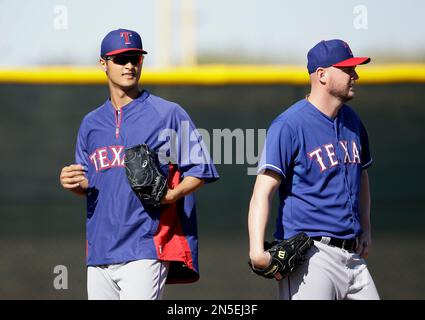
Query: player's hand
(260,260)
(187,186)
(170,197)
(364,244)
(73,178)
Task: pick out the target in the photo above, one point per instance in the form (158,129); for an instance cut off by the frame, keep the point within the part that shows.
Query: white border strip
(270,166)
(367,164)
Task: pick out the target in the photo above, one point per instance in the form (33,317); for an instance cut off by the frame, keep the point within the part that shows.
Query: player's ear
(103,64)
(322,75)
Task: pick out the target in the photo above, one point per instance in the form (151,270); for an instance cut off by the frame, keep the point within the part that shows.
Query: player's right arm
(73,178)
(259,208)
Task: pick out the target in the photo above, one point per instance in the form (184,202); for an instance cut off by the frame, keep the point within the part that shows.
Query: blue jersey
(320,160)
(119,228)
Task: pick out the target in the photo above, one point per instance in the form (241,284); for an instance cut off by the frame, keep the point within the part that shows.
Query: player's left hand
(170,197)
(187,186)
(364,244)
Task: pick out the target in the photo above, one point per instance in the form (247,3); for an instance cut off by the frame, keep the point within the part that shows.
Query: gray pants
(330,273)
(135,280)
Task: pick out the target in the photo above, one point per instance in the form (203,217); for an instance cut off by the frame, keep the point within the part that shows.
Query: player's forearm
(259,208)
(258,215)
(187,186)
(364,202)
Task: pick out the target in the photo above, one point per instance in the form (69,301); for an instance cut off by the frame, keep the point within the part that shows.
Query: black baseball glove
(286,255)
(144,175)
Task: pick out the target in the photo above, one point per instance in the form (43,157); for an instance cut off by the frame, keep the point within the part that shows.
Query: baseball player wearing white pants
(316,155)
(133,250)
(127,281)
(329,273)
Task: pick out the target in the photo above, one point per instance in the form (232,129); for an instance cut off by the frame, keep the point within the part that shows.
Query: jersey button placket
(341,157)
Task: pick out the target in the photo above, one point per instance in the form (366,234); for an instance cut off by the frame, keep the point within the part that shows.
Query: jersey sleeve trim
(271,167)
(367,165)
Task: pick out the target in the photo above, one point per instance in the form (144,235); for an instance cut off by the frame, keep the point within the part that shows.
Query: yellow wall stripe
(211,75)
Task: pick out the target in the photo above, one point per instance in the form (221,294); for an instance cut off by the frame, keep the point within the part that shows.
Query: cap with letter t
(119,41)
(335,53)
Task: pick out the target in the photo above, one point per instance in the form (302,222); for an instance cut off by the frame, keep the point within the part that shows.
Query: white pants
(329,273)
(135,280)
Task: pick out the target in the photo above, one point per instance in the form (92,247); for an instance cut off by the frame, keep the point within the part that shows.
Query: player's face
(341,83)
(124,70)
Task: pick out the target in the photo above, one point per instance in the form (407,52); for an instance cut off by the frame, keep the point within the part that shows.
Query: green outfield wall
(42,225)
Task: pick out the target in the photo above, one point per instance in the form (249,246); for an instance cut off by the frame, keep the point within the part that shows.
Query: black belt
(346,244)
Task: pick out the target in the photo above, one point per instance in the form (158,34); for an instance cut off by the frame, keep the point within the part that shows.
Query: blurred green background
(43,225)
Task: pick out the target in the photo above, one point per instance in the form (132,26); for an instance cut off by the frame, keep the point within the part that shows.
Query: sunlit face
(341,82)
(124,69)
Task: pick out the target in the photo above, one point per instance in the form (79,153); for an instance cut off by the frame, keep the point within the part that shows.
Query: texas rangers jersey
(320,160)
(119,228)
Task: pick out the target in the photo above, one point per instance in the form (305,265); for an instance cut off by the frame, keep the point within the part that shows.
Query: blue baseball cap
(335,53)
(121,40)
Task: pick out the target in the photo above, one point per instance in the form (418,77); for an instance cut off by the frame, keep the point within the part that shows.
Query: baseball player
(132,251)
(317,154)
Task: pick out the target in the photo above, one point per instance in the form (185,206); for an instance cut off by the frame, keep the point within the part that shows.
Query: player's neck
(121,97)
(327,104)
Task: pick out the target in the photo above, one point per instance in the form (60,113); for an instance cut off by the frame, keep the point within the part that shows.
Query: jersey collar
(143,95)
(315,110)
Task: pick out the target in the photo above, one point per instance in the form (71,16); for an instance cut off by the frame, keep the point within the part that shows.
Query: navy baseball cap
(121,40)
(335,53)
